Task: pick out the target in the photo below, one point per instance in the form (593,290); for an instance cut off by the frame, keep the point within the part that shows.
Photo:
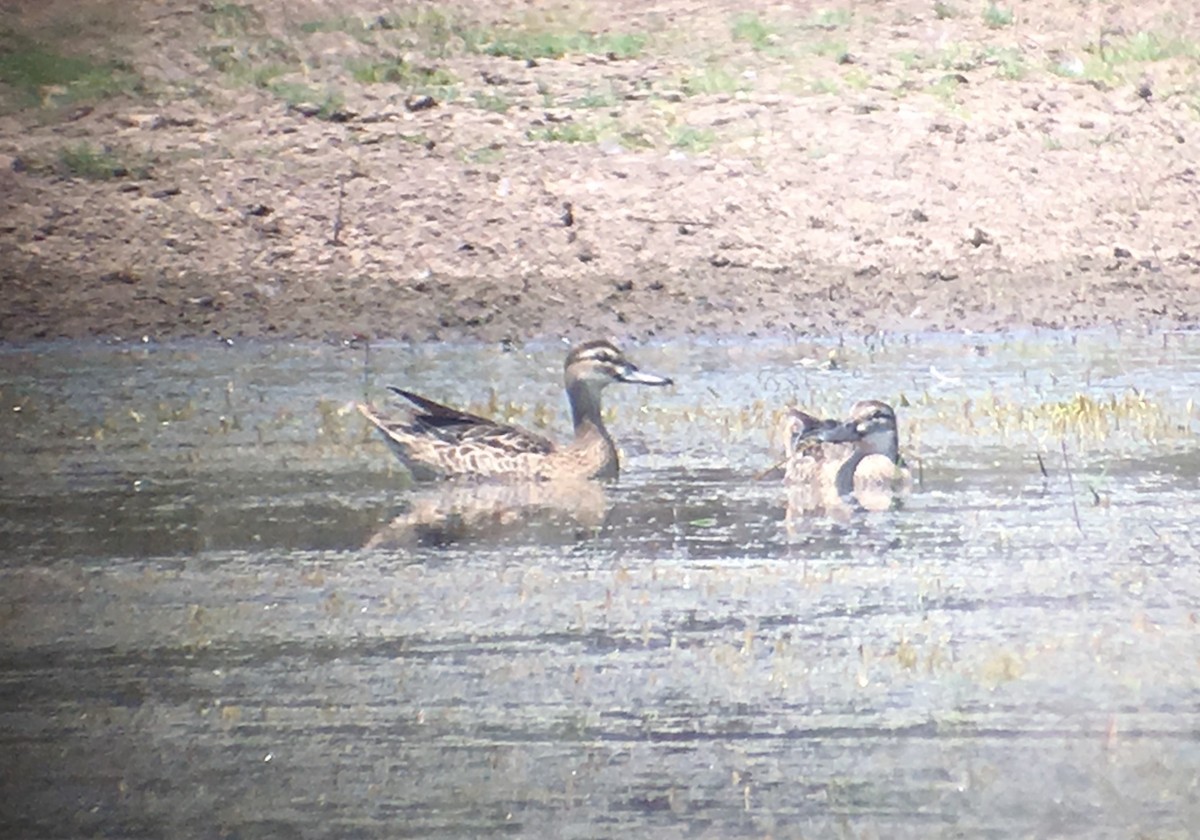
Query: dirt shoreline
(592,194)
(739,302)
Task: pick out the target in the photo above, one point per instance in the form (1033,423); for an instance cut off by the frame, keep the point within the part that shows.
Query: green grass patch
(1146,47)
(347,24)
(910,59)
(1108,60)
(1009,62)
(596,99)
(691,138)
(524,44)
(828,47)
(431,31)
(856,79)
(325,103)
(246,66)
(491,102)
(945,87)
(96,163)
(750,28)
(712,78)
(636,138)
(961,58)
(36,73)
(485,156)
(258,75)
(997,17)
(256,63)
(397,71)
(944,11)
(231,20)
(568,132)
(821,86)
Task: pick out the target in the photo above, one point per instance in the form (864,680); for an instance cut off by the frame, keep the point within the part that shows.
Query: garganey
(855,461)
(437,441)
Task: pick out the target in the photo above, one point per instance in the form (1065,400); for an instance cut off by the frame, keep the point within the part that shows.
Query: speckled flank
(831,464)
(437,441)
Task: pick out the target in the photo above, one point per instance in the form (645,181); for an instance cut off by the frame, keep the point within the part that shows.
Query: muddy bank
(930,173)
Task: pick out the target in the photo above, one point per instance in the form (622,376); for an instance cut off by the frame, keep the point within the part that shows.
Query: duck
(852,461)
(436,441)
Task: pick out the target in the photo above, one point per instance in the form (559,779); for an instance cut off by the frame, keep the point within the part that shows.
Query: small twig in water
(770,472)
(1041,465)
(365,342)
(1071,484)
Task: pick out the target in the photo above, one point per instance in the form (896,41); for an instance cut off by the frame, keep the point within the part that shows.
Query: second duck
(857,460)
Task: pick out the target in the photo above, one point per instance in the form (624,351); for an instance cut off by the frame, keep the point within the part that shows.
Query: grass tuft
(944,11)
(753,30)
(430,31)
(230,20)
(596,99)
(997,17)
(526,45)
(712,78)
(347,24)
(692,139)
(1145,47)
(1108,60)
(1009,63)
(325,104)
(38,74)
(491,102)
(83,160)
(568,132)
(397,71)
(485,156)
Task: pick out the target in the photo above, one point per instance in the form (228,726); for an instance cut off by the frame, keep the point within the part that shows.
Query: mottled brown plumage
(437,441)
(856,461)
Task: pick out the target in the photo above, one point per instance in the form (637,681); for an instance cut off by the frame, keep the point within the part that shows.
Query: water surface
(218,619)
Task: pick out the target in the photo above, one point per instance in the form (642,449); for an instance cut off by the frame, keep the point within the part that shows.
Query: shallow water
(196,642)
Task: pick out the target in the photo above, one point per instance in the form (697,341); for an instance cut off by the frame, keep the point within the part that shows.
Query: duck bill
(805,426)
(840,433)
(635,377)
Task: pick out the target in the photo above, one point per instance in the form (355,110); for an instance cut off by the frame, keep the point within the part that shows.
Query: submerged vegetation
(1127,417)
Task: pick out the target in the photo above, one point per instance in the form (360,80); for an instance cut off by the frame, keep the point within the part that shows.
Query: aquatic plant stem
(1071,485)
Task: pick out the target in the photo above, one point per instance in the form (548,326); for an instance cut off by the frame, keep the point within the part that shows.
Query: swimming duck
(437,441)
(856,460)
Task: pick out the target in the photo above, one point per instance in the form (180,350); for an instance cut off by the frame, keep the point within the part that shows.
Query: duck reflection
(555,512)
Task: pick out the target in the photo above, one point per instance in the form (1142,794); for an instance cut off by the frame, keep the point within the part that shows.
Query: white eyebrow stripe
(600,354)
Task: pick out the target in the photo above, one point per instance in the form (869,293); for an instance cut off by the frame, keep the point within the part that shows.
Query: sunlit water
(209,626)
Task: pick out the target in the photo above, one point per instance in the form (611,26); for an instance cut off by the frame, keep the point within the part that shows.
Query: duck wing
(455,426)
